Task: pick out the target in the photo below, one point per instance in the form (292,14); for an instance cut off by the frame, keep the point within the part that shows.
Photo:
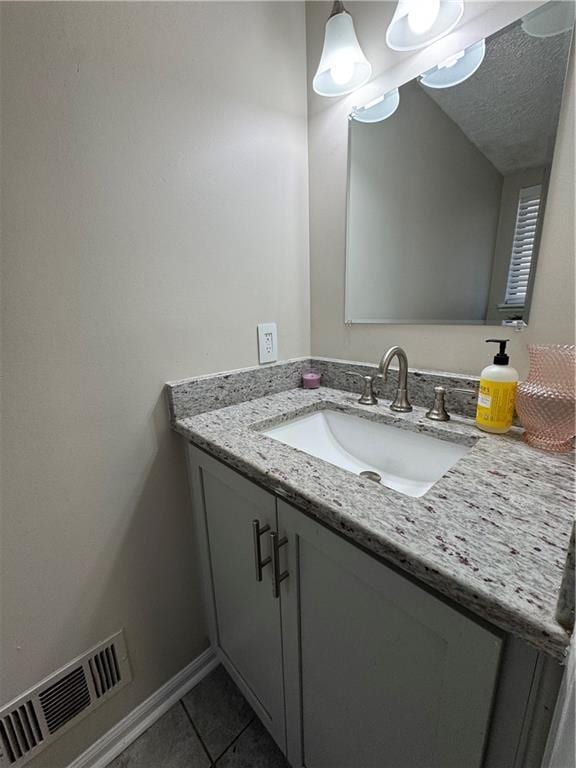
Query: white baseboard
(109,746)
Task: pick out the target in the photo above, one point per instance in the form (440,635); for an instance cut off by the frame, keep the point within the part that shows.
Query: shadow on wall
(153,540)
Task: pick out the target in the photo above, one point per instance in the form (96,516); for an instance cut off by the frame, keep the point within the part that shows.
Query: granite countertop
(492,534)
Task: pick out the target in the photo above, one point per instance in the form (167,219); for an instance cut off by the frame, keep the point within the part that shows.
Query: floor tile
(255,748)
(219,711)
(170,743)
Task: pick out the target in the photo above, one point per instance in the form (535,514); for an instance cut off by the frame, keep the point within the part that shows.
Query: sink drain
(371,475)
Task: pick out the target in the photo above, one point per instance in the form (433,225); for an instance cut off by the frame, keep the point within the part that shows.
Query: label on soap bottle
(495,408)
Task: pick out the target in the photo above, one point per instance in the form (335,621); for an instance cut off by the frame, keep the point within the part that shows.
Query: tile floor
(213,725)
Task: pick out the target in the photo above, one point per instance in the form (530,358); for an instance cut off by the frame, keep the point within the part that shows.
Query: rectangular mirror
(446,196)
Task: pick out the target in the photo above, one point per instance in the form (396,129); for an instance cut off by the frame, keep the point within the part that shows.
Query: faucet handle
(464,390)
(367,397)
(438,411)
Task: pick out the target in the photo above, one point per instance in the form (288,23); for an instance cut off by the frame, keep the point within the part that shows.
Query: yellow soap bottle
(497,395)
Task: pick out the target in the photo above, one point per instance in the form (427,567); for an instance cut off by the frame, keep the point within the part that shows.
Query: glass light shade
(343,67)
(379,109)
(551,19)
(455,69)
(417,23)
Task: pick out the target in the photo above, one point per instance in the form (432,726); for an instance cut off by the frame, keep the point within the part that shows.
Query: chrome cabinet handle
(277,577)
(259,564)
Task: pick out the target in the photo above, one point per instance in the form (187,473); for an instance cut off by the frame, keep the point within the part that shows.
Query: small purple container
(311,380)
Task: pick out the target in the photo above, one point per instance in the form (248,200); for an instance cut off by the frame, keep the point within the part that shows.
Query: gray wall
(453,348)
(154,209)
(422,216)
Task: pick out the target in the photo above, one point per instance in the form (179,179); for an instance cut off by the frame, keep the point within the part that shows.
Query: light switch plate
(267,343)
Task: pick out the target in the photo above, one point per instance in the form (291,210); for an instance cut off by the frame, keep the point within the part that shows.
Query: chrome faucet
(400,402)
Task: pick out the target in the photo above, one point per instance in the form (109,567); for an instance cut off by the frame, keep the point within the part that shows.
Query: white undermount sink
(406,461)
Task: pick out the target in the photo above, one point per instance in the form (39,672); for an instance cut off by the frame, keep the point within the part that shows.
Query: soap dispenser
(497,395)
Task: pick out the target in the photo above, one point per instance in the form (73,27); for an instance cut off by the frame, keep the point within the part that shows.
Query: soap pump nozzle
(501,358)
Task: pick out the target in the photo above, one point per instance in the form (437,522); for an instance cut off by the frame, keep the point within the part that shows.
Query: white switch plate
(267,343)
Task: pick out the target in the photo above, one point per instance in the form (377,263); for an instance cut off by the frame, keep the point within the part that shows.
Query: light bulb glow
(342,70)
(422,15)
(417,23)
(343,66)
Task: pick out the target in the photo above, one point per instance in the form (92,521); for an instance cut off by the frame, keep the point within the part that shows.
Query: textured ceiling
(509,108)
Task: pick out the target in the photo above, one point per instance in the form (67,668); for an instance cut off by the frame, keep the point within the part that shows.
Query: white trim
(115,741)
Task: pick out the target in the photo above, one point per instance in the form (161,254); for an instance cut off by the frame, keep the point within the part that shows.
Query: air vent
(42,714)
(64,700)
(20,732)
(105,670)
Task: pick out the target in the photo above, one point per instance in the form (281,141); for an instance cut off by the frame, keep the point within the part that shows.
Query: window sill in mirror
(515,308)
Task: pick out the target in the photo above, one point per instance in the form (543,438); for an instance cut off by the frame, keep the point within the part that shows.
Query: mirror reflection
(447,183)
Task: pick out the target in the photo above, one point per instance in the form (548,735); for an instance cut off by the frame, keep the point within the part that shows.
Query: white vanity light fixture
(455,69)
(551,19)
(343,66)
(417,23)
(378,109)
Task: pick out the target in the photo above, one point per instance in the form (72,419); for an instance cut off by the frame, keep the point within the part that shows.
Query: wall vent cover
(42,714)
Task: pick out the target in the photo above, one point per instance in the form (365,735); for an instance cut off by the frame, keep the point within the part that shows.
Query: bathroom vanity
(368,626)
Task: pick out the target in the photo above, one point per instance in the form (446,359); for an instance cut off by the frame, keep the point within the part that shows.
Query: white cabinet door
(379,673)
(244,615)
